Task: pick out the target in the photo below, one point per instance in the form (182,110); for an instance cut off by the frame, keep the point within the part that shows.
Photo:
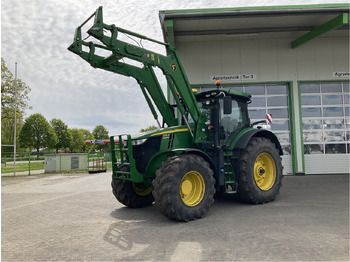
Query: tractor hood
(161,131)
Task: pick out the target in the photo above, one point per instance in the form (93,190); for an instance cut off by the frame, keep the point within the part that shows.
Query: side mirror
(227,105)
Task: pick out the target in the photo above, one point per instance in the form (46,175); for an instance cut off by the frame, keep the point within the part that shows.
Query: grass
(20,167)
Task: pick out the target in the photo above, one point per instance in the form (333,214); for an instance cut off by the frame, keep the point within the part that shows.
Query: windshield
(205,106)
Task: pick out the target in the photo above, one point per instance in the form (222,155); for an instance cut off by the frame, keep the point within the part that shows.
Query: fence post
(60,162)
(29,162)
(88,161)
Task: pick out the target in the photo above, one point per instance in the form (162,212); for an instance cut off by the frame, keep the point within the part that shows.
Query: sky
(36,34)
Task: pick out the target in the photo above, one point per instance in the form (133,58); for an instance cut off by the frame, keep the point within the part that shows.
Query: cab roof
(214,92)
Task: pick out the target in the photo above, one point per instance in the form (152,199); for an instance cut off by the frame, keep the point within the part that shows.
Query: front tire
(260,172)
(184,187)
(131,194)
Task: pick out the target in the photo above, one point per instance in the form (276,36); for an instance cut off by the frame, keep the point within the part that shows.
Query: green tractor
(205,145)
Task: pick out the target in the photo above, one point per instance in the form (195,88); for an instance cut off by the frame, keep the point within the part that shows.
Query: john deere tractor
(205,145)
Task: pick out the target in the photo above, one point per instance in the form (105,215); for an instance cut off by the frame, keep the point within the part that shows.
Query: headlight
(138,141)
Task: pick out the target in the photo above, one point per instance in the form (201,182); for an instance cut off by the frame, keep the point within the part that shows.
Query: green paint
(171,40)
(170,31)
(294,130)
(301,130)
(254,8)
(322,29)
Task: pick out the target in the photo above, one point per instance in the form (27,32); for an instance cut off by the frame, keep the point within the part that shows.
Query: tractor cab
(226,113)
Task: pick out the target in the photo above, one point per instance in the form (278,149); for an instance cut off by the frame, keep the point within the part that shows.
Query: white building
(294,60)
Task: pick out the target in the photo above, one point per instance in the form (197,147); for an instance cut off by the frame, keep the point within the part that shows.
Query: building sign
(341,74)
(248,76)
(230,78)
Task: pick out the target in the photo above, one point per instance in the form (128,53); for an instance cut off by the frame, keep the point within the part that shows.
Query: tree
(8,106)
(86,136)
(37,133)
(150,128)
(77,140)
(8,92)
(79,136)
(100,132)
(7,129)
(64,136)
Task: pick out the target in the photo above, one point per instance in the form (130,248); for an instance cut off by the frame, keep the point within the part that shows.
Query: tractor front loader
(205,145)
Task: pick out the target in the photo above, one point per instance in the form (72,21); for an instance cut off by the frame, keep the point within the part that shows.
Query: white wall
(269,59)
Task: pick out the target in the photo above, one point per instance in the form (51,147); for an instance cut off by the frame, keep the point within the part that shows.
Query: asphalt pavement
(75,217)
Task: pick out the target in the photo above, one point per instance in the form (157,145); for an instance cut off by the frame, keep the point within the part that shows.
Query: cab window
(231,123)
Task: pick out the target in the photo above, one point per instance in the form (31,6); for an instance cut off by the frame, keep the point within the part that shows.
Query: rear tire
(260,172)
(184,187)
(131,194)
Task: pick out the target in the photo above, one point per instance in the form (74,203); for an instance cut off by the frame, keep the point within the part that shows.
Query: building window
(325,117)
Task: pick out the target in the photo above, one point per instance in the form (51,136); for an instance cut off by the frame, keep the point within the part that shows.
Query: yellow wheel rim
(142,191)
(264,171)
(192,188)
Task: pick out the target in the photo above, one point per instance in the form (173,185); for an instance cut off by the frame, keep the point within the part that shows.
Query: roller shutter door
(326,127)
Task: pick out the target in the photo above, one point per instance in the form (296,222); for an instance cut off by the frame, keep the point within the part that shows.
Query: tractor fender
(243,140)
(156,161)
(200,153)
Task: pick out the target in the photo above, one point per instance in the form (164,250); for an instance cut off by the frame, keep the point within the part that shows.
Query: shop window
(331,88)
(332,100)
(325,117)
(310,88)
(347,112)
(279,112)
(311,100)
(277,101)
(314,136)
(311,112)
(313,148)
(258,102)
(280,125)
(257,114)
(346,99)
(310,124)
(255,90)
(276,89)
(335,148)
(332,112)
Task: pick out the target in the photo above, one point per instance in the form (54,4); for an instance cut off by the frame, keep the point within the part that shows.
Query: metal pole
(14,135)
(88,161)
(60,162)
(29,162)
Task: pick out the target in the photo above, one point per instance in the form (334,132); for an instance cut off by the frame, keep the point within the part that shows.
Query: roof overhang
(300,23)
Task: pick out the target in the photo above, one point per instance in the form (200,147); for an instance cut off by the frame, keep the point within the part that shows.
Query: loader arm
(171,66)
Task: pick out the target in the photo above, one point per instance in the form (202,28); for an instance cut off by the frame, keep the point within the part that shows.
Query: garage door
(326,127)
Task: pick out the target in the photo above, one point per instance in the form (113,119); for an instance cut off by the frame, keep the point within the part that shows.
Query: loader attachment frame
(170,65)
